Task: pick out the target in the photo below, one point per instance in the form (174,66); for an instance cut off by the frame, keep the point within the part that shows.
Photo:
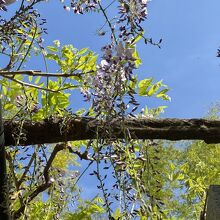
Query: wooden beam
(54,130)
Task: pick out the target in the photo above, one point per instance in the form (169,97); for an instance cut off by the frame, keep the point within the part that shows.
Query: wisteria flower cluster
(3,4)
(81,6)
(110,83)
(132,13)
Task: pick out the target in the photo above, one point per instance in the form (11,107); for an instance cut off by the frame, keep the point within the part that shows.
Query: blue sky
(186,62)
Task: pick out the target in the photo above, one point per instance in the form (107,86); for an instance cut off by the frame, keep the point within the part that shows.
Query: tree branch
(56,149)
(54,130)
(39,73)
(38,190)
(44,186)
(27,168)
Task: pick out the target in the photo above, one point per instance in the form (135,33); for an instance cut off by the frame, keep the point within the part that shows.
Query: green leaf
(143,86)
(30,78)
(56,43)
(52,49)
(117,214)
(37,80)
(82,51)
(9,106)
(4,90)
(54,57)
(137,38)
(162,92)
(137,61)
(157,111)
(154,88)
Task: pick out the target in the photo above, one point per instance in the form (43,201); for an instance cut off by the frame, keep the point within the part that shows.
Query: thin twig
(19,182)
(108,21)
(82,156)
(29,47)
(43,74)
(15,179)
(91,162)
(30,85)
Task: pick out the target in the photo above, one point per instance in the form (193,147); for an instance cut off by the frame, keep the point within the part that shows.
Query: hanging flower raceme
(110,84)
(80,6)
(132,13)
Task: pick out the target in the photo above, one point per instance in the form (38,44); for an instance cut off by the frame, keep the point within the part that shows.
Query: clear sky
(186,62)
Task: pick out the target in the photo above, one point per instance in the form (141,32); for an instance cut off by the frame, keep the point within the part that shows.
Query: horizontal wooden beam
(54,130)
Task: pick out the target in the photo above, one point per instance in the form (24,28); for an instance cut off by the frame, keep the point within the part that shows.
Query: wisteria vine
(111,95)
(113,98)
(110,91)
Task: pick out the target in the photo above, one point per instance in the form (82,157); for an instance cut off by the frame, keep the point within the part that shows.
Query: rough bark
(56,130)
